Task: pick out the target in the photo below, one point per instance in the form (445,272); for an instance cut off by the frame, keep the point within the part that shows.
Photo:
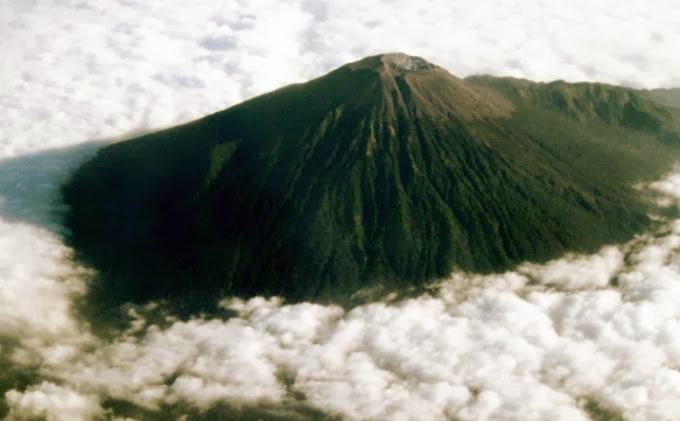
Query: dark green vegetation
(599,412)
(288,411)
(388,170)
(651,112)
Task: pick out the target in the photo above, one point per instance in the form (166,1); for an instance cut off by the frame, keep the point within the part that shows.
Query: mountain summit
(395,62)
(388,171)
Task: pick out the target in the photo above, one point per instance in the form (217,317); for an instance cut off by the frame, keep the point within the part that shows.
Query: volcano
(388,172)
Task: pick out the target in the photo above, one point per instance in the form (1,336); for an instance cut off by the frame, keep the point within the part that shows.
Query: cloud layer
(581,335)
(75,71)
(542,342)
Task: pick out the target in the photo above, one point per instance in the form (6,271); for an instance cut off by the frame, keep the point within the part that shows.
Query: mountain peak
(413,84)
(405,62)
(399,62)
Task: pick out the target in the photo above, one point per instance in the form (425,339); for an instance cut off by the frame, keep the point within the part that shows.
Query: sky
(594,333)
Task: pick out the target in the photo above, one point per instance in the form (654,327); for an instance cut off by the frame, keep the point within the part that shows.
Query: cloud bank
(546,341)
(75,71)
(579,336)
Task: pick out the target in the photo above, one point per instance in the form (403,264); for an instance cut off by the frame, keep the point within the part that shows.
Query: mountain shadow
(30,183)
(388,171)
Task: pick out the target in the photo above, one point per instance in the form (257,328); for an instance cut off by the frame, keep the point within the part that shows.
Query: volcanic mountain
(388,171)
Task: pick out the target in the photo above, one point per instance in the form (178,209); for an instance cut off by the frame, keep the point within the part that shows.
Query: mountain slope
(669,97)
(386,171)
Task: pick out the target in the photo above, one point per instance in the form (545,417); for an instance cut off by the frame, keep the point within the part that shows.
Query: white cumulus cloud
(52,402)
